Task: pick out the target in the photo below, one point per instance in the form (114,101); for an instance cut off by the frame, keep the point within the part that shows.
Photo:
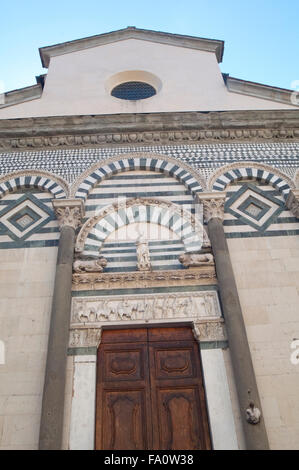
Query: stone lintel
(204,275)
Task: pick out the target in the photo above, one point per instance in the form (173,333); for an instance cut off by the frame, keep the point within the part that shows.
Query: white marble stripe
(98,233)
(126,163)
(155,213)
(218,187)
(130,215)
(81,195)
(224,179)
(60,196)
(117,166)
(4,187)
(42,181)
(159,164)
(133,253)
(243,172)
(90,253)
(142,214)
(238,228)
(44,236)
(13,184)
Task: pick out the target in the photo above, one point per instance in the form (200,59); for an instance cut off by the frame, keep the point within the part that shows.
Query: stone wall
(26,284)
(267,276)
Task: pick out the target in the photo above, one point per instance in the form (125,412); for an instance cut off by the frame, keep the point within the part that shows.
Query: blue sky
(261,36)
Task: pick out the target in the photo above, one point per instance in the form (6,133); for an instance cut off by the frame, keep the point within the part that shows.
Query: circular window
(133,91)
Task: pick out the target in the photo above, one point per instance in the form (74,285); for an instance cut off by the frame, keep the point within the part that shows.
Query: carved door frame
(219,408)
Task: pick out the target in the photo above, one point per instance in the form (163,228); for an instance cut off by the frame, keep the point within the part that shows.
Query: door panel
(123,411)
(178,419)
(150,393)
(124,414)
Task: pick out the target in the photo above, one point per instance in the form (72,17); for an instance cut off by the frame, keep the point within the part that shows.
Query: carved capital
(293,202)
(85,338)
(209,330)
(213,205)
(69,212)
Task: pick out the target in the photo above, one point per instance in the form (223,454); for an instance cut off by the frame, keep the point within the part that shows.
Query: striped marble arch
(96,229)
(248,171)
(32,179)
(158,163)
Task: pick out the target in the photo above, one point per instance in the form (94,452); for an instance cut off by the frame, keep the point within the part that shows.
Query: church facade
(149,248)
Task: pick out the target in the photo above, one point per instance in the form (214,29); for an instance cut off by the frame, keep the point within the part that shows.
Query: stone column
(255,434)
(69,213)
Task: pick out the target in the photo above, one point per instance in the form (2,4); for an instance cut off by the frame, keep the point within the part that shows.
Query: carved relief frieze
(204,274)
(193,306)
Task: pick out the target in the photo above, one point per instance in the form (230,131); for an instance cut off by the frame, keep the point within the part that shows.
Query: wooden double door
(150,392)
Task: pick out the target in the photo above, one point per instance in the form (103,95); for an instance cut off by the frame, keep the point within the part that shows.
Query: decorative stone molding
(292,202)
(213,205)
(150,137)
(192,276)
(197,228)
(69,212)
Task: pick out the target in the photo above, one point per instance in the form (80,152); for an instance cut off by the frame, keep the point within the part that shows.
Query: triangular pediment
(179,40)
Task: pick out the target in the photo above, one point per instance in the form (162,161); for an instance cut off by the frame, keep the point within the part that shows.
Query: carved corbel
(292,202)
(69,212)
(213,205)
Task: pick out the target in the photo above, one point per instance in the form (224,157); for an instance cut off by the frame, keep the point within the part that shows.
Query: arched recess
(248,170)
(97,228)
(137,161)
(41,180)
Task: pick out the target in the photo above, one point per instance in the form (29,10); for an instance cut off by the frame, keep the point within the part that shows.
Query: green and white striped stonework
(27,220)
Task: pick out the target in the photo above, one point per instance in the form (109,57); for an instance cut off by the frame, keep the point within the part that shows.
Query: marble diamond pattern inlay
(254,207)
(25,221)
(27,216)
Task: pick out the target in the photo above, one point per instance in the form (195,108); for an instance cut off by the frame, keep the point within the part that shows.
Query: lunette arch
(42,180)
(97,228)
(137,161)
(248,170)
